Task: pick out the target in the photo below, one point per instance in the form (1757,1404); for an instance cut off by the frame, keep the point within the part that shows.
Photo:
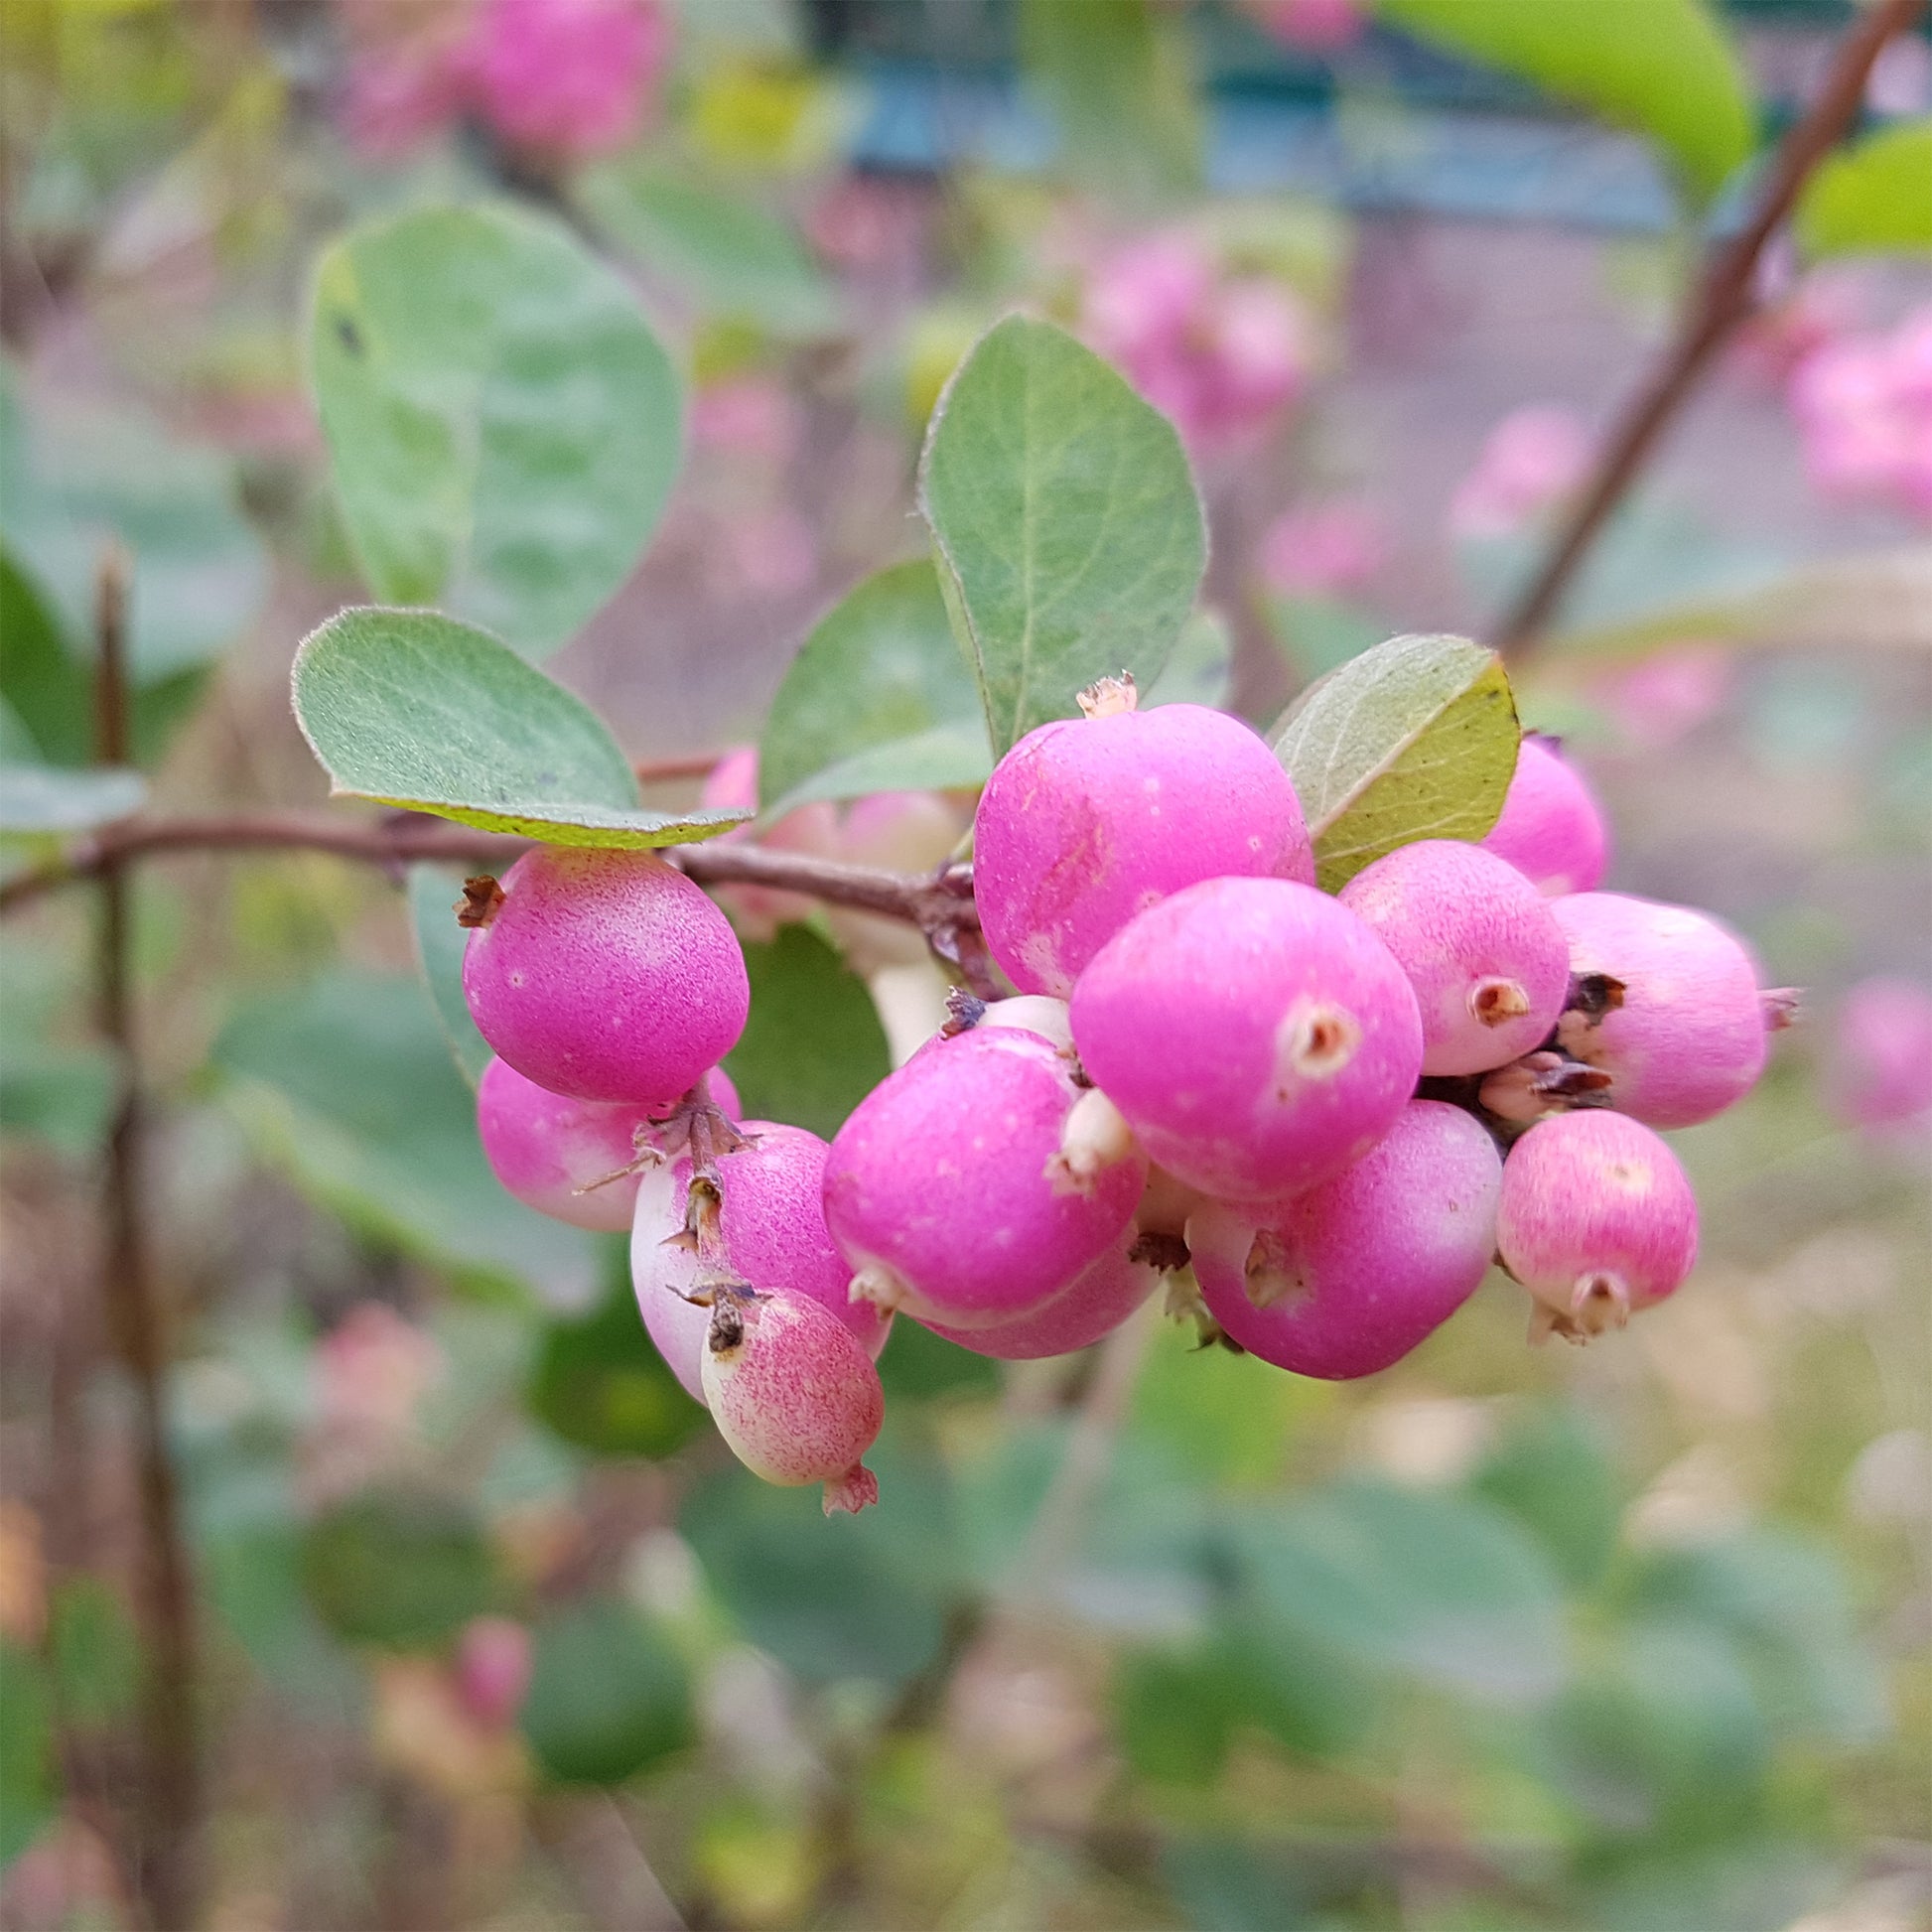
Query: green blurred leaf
(1229,1419)
(62,1095)
(1202,669)
(48,798)
(408,708)
(347,1085)
(1872,198)
(814,1047)
(1173,1716)
(505,427)
(39,677)
(397,1570)
(731,257)
(608,1696)
(1552,1471)
(29,1795)
(1321,634)
(435,891)
(598,1382)
(1068,531)
(96,1653)
(919,1366)
(1665,68)
(1414,740)
(878,699)
(1224,1884)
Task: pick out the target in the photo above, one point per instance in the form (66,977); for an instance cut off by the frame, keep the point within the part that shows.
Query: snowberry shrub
(1088,821)
(1552,829)
(765,1227)
(794,1396)
(605,975)
(1256,1035)
(949,1191)
(1489,965)
(1681,1030)
(576,1160)
(1598,1220)
(1349,1277)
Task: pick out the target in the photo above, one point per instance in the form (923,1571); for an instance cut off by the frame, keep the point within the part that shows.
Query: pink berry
(1090,820)
(492,1670)
(975,1182)
(1349,1277)
(606,976)
(770,1233)
(1032,1013)
(796,1396)
(1598,1220)
(1489,965)
(570,77)
(1256,1035)
(812,830)
(897,831)
(1880,1073)
(558,1155)
(1552,829)
(1098,1299)
(1686,1035)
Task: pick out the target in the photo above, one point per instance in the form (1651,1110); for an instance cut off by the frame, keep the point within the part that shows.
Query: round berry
(1349,1277)
(1256,1035)
(1598,1220)
(1088,821)
(964,1190)
(1552,829)
(1488,963)
(1681,1034)
(1097,1300)
(606,976)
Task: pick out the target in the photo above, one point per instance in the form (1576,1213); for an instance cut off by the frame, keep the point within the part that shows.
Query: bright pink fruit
(1088,821)
(1349,1277)
(1598,1220)
(1489,965)
(770,1233)
(1689,1038)
(1095,1304)
(948,1191)
(548,1150)
(1255,1034)
(1552,829)
(571,77)
(796,1396)
(606,976)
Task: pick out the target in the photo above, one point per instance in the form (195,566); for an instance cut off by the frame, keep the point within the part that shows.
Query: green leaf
(408,708)
(41,679)
(1068,532)
(95,1651)
(1414,740)
(608,1697)
(505,427)
(1665,68)
(397,1570)
(29,1795)
(1202,669)
(1872,198)
(814,1047)
(878,699)
(48,798)
(435,891)
(1553,1472)
(919,1366)
(1172,1716)
(735,260)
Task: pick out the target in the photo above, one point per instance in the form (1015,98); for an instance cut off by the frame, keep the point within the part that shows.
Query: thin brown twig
(686,764)
(1722,301)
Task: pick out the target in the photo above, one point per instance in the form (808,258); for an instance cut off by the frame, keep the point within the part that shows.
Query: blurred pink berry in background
(1315,26)
(371,1369)
(1219,355)
(749,416)
(492,1669)
(1531,458)
(1900,81)
(1795,316)
(1322,549)
(1863,405)
(1668,696)
(398,98)
(758,911)
(1878,1065)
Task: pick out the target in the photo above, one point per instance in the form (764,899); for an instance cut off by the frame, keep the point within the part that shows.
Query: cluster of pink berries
(1863,403)
(1207,1064)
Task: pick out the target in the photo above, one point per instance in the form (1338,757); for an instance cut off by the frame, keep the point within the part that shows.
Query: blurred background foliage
(491,1632)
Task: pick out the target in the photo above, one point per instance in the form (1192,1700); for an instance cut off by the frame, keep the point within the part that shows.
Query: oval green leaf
(46,798)
(1874,197)
(433,895)
(504,426)
(878,699)
(412,709)
(1066,520)
(608,1697)
(1414,739)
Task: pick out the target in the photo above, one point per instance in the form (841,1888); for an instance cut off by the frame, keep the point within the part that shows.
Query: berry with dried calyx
(1552,829)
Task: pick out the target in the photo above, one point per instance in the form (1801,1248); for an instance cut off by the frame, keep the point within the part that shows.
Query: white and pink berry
(1098,1299)
(1552,829)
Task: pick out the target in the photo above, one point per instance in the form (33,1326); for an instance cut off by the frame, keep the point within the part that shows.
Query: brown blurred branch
(1721,302)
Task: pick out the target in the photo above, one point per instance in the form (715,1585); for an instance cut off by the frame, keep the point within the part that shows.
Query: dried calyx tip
(1318,1040)
(481,901)
(1495,1001)
(964,1012)
(1783,1006)
(1108,697)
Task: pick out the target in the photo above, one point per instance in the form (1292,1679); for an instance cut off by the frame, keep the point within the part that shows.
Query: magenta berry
(573,1160)
(1598,1220)
(1088,821)
(1256,1035)
(949,1189)
(1488,963)
(1349,1277)
(796,1396)
(770,1232)
(1684,1032)
(1098,1299)
(1552,829)
(606,975)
